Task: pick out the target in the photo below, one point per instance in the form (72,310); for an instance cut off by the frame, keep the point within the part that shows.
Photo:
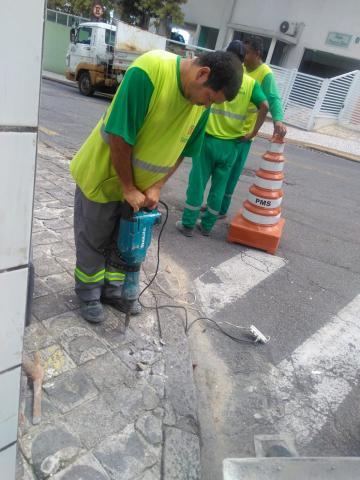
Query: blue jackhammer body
(134,238)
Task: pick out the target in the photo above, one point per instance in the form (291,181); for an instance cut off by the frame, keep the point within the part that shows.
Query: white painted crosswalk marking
(229,281)
(312,383)
(319,374)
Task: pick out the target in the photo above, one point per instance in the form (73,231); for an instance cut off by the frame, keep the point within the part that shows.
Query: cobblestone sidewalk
(114,406)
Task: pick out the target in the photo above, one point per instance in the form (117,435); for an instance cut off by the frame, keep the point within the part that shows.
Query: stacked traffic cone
(259,223)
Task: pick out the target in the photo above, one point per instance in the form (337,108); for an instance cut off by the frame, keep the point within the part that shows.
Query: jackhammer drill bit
(127,315)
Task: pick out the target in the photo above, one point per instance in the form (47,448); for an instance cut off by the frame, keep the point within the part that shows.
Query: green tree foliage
(83,7)
(136,12)
(140,11)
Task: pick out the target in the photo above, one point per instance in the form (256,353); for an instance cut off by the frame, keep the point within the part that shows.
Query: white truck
(100,53)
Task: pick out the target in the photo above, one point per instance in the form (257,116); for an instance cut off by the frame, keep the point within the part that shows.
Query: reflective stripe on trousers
(83,277)
(212,211)
(99,276)
(191,207)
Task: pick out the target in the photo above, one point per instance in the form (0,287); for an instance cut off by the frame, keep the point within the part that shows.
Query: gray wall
(19,100)
(264,17)
(56,42)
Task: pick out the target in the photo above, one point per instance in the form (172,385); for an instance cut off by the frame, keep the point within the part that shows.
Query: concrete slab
(291,468)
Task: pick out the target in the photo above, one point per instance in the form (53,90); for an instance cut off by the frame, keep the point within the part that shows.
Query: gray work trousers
(96,227)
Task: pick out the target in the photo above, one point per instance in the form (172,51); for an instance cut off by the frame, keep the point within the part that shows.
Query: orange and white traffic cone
(259,223)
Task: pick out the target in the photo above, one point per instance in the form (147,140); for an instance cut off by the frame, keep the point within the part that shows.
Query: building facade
(319,37)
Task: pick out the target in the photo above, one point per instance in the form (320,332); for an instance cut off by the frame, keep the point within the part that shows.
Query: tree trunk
(165,27)
(144,20)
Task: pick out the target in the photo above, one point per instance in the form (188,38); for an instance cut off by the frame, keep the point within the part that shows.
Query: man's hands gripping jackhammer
(147,199)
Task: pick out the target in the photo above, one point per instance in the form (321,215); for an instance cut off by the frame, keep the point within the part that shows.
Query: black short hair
(256,44)
(225,72)
(237,47)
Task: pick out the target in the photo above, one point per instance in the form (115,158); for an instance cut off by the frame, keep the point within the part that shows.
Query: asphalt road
(305,381)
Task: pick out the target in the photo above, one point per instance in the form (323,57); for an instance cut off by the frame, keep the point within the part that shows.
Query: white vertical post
(318,103)
(352,93)
(19,100)
(271,50)
(228,37)
(197,34)
(223,36)
(289,85)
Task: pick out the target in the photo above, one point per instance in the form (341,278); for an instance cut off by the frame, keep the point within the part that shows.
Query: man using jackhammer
(224,140)
(156,118)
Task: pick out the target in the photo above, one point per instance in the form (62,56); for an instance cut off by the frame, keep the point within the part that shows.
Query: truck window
(110,37)
(84,35)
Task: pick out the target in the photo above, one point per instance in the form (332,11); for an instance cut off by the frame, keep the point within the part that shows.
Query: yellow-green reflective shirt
(227,120)
(264,75)
(150,113)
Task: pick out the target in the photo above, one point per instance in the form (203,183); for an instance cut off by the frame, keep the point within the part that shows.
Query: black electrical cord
(158,250)
(157,307)
(218,327)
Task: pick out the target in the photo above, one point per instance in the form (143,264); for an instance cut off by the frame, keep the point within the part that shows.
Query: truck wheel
(85,86)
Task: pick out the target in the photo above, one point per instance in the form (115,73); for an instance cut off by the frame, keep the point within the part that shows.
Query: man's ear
(202,74)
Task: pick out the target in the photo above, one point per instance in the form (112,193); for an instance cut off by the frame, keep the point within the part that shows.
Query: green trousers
(215,160)
(243,149)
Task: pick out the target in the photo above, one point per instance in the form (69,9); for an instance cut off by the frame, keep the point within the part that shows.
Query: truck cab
(89,59)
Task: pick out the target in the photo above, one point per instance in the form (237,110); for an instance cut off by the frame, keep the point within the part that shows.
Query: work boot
(92,311)
(186,231)
(121,305)
(202,230)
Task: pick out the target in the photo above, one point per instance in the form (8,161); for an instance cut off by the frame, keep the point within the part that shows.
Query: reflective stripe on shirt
(149,167)
(136,161)
(236,116)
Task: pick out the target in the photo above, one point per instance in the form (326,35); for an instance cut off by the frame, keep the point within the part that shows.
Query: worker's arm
(153,193)
(259,100)
(127,116)
(275,106)
(192,148)
(121,159)
(263,108)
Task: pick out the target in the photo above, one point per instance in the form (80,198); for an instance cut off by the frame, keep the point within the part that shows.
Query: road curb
(72,84)
(181,422)
(64,81)
(316,147)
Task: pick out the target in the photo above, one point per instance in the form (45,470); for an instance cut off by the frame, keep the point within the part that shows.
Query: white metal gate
(300,96)
(307,97)
(350,114)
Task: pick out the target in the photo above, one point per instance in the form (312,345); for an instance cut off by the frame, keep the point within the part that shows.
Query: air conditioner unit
(288,28)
